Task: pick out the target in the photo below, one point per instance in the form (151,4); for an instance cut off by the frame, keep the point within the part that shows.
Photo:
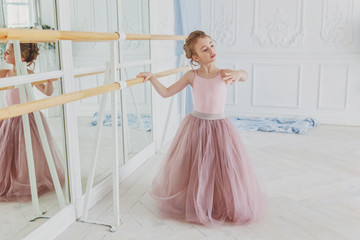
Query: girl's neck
(208,69)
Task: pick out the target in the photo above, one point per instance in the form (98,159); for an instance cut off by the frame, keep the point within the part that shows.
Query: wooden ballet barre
(23,108)
(35,35)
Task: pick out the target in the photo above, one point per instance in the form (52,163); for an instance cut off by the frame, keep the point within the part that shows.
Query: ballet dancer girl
(207,176)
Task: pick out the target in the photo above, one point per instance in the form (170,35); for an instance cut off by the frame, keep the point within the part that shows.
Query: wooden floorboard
(312,182)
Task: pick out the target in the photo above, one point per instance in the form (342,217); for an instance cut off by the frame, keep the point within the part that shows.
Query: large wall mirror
(16,206)
(89,16)
(135,19)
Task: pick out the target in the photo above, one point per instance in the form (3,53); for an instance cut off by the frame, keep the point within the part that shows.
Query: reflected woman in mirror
(14,173)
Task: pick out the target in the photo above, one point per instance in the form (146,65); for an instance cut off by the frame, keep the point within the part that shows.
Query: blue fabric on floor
(132,120)
(295,125)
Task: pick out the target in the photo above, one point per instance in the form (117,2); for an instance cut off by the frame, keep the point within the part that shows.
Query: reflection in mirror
(136,21)
(16,205)
(88,16)
(87,119)
(39,14)
(138,106)
(15,184)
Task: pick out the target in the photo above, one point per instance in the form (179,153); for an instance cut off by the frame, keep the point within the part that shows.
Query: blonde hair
(190,42)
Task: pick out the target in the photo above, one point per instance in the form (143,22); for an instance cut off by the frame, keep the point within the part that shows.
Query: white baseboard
(55,225)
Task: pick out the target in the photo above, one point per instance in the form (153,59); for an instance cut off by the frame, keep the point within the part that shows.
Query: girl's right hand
(146,75)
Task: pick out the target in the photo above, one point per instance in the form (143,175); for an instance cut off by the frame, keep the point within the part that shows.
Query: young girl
(207,176)
(14,173)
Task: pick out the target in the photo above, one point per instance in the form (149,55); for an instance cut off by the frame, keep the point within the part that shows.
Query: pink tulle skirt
(14,173)
(207,177)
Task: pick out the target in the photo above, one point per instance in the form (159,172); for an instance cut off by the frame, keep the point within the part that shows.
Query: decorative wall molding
(337,24)
(255,87)
(281,35)
(128,28)
(277,31)
(163,27)
(133,23)
(224,23)
(320,101)
(83,22)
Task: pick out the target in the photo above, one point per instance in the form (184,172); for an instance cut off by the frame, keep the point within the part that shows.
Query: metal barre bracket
(123,84)
(122,36)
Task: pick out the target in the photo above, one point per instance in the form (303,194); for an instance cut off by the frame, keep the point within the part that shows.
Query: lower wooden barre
(135,81)
(23,108)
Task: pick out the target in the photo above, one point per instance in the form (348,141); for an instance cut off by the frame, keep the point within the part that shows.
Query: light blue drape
(187,19)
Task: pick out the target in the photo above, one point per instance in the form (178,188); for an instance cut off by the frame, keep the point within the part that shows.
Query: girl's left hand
(231,77)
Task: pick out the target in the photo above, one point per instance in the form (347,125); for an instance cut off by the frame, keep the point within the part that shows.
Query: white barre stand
(110,76)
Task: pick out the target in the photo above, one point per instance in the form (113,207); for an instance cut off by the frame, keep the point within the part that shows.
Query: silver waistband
(208,116)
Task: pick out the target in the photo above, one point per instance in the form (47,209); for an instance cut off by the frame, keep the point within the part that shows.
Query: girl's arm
(45,88)
(173,89)
(231,76)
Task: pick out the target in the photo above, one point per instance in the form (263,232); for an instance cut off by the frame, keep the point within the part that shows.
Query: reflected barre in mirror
(35,188)
(19,133)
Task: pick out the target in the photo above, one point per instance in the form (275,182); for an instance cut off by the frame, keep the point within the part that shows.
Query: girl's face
(9,54)
(205,51)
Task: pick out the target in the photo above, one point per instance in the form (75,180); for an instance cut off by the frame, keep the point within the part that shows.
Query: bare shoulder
(189,76)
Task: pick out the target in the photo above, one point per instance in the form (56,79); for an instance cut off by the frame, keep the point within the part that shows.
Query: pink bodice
(12,96)
(209,94)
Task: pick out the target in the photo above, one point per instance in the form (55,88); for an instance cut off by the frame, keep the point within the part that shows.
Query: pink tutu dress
(207,177)
(14,173)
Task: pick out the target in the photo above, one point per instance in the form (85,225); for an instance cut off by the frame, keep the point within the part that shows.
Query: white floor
(137,141)
(313,185)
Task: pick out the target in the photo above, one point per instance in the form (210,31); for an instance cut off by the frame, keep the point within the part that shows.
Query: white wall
(303,57)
